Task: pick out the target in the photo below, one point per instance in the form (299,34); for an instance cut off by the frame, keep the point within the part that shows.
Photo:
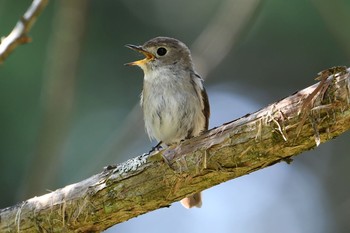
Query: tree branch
(237,148)
(19,34)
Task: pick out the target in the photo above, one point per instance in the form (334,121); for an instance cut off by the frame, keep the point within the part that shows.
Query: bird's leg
(156,147)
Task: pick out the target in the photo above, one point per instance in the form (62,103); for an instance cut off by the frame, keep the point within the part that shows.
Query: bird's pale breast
(172,110)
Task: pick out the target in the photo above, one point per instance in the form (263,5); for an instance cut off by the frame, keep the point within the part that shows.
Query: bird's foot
(156,147)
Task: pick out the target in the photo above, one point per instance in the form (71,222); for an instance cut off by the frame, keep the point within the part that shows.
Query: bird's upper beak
(149,56)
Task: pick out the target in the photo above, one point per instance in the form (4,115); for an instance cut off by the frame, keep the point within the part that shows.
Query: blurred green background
(68,106)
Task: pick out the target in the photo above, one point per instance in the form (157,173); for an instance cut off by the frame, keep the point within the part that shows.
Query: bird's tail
(193,200)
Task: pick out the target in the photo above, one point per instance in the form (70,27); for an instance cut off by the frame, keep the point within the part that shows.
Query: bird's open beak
(148,56)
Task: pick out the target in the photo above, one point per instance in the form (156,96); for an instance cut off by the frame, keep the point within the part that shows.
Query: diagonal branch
(19,34)
(234,149)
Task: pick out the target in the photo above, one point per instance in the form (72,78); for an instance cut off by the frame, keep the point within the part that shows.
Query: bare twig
(147,183)
(19,34)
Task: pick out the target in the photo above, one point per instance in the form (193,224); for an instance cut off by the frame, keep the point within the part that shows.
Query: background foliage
(68,106)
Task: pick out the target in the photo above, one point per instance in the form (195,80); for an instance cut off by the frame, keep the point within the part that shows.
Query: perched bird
(174,101)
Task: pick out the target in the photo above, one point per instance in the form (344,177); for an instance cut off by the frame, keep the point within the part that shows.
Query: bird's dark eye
(161,51)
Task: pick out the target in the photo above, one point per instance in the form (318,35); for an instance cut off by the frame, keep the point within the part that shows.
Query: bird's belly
(167,128)
(171,120)
(164,124)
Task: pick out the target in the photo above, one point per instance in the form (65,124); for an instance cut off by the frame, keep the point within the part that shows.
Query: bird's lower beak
(148,56)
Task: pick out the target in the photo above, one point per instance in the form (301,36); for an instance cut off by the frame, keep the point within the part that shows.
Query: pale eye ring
(161,51)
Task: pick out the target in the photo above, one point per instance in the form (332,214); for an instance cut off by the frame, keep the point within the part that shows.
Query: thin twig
(19,34)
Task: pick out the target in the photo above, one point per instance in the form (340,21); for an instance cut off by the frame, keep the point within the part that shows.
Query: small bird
(174,101)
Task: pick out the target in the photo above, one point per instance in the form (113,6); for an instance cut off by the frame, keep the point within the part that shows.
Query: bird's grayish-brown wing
(204,101)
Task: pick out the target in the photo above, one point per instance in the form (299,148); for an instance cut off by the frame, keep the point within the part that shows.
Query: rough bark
(276,133)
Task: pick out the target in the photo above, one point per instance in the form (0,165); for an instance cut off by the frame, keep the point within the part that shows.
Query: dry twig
(19,34)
